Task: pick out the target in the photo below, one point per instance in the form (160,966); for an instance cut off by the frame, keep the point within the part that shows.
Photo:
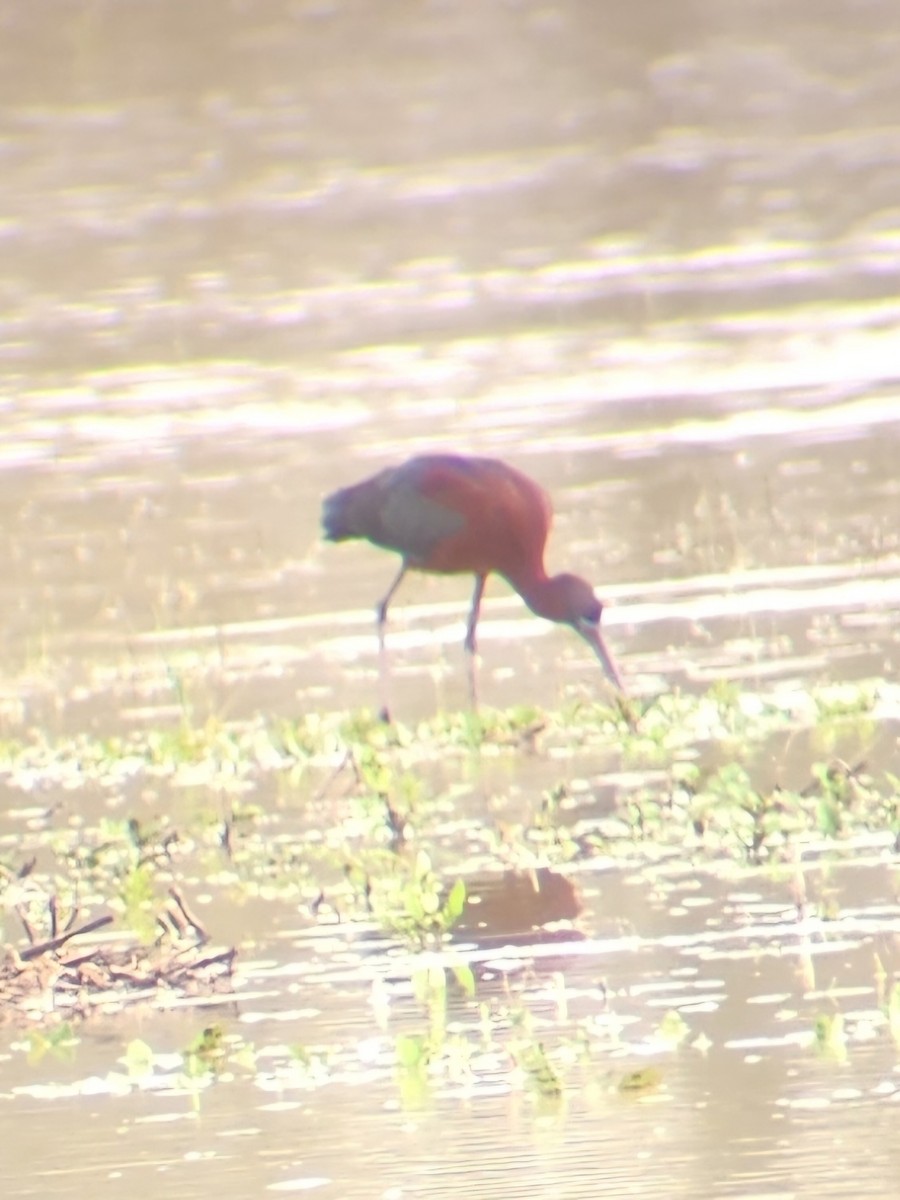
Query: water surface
(649,256)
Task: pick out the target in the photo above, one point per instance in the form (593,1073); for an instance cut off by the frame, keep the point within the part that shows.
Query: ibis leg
(469,643)
(381,615)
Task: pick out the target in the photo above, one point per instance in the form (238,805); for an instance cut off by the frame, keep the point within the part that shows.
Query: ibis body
(455,514)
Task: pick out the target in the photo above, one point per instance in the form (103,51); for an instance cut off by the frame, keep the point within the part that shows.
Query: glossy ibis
(456,514)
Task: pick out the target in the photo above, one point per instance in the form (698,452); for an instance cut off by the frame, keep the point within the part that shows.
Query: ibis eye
(592,612)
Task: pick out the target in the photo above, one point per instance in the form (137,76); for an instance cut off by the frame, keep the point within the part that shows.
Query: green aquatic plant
(640,1082)
(180,744)
(729,804)
(844,700)
(893,1012)
(412,902)
(472,729)
(842,712)
(138,1059)
(136,858)
(275,809)
(887,991)
(833,795)
(726,696)
(829,1036)
(58,1042)
(846,796)
(421,1055)
(663,812)
(140,899)
(365,728)
(300,741)
(534,1062)
(414,1055)
(887,808)
(313,1063)
(673,1029)
(547,839)
(414,1052)
(205,1054)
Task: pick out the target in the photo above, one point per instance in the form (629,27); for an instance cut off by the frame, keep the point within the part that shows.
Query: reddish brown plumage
(454,514)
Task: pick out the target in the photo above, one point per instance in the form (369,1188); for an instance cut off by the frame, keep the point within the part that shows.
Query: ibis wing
(413,524)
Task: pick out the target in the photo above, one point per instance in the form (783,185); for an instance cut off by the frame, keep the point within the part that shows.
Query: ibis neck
(543,594)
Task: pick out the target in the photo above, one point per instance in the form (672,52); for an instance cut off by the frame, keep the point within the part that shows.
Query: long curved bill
(594,638)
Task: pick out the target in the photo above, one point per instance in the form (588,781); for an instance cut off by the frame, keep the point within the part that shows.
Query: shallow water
(254,253)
